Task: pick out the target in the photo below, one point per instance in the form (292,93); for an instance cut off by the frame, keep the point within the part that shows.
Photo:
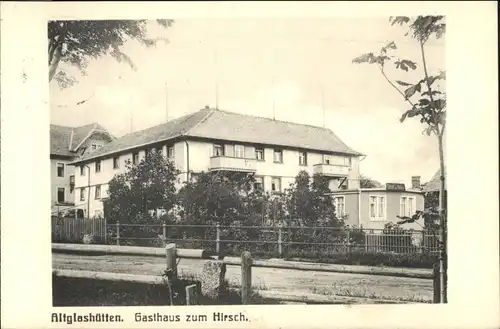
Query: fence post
(164,230)
(217,238)
(118,232)
(192,294)
(348,241)
(422,243)
(436,284)
(280,247)
(246,277)
(366,242)
(171,254)
(105,231)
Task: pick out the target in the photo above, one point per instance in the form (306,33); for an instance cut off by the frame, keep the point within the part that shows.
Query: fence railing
(245,287)
(269,240)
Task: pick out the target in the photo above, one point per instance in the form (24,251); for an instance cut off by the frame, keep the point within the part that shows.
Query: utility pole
(216,77)
(166,102)
(274,103)
(323,105)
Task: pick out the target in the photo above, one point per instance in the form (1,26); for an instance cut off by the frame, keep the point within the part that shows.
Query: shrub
(88,239)
(414,260)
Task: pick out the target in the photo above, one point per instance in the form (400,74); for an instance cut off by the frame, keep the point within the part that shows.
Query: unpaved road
(262,278)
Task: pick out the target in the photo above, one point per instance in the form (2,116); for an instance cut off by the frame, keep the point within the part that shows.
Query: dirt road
(262,278)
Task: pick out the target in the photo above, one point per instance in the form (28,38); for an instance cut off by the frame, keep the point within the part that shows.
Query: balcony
(331,170)
(232,164)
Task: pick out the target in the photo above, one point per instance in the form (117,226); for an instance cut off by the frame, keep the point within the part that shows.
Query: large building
(214,140)
(66,145)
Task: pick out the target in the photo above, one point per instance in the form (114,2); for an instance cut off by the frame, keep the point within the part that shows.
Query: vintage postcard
(241,165)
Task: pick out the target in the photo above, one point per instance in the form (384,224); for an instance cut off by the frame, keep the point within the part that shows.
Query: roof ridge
(274,120)
(71,139)
(185,116)
(210,112)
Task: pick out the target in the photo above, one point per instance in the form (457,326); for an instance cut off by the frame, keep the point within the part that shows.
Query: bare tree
(426,103)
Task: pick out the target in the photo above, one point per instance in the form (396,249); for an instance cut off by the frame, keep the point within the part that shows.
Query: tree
(146,186)
(216,197)
(425,102)
(366,182)
(76,41)
(310,202)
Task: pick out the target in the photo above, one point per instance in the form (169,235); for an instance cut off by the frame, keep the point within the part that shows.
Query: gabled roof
(434,184)
(64,140)
(224,125)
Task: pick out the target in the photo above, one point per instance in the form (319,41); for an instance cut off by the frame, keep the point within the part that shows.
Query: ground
(263,278)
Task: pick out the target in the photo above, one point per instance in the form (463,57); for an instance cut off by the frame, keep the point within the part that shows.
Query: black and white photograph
(248,161)
(247,165)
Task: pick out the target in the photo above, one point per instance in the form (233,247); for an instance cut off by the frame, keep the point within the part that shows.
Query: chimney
(415,182)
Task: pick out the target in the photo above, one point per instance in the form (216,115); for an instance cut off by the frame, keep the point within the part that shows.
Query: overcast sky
(298,59)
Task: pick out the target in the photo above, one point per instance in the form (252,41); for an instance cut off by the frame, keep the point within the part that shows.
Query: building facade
(373,208)
(66,145)
(214,140)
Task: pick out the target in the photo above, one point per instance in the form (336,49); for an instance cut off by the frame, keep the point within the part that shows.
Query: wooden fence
(70,229)
(171,253)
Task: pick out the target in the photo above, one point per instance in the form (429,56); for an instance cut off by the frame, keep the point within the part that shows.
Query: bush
(90,292)
(415,260)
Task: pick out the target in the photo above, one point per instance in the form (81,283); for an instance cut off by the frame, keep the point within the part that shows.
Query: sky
(298,70)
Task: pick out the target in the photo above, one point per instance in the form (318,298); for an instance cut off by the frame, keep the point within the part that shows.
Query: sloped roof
(60,137)
(224,125)
(64,139)
(80,133)
(434,184)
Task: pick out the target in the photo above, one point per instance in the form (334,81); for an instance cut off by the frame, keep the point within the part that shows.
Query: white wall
(200,153)
(107,173)
(60,182)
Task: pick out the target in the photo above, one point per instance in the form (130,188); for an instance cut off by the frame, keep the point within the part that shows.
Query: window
(338,160)
(60,170)
(116,162)
(60,194)
(82,171)
(135,158)
(71,183)
(377,207)
(259,154)
(303,158)
(98,191)
(339,203)
(218,150)
(276,184)
(407,206)
(278,156)
(82,194)
(258,184)
(239,151)
(147,153)
(170,152)
(98,166)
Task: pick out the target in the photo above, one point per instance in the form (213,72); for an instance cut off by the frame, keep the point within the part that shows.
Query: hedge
(422,260)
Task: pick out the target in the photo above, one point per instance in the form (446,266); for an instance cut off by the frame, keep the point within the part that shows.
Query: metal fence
(264,240)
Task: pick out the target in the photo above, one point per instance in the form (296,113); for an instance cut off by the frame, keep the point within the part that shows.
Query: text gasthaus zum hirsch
(70,318)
